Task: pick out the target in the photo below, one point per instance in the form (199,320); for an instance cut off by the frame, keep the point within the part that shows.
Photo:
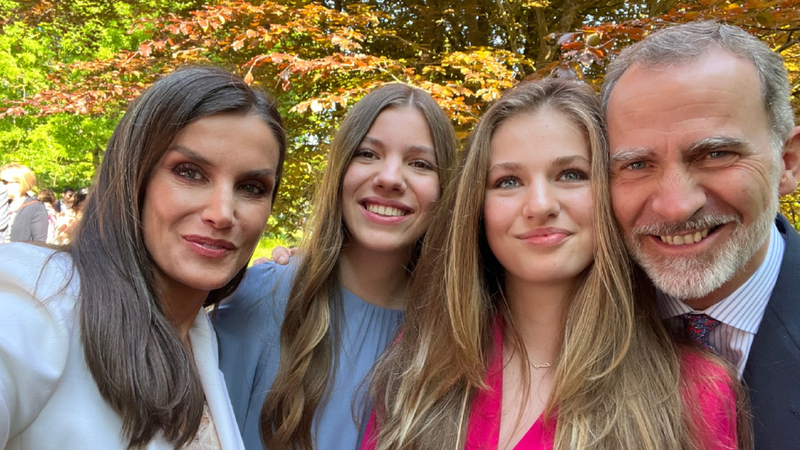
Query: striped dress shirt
(740,313)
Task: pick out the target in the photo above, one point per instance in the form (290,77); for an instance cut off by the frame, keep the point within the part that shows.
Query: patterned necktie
(697,327)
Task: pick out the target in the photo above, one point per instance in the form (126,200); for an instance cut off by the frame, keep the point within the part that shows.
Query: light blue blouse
(249,324)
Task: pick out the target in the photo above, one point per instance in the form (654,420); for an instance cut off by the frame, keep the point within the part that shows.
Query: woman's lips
(544,236)
(208,247)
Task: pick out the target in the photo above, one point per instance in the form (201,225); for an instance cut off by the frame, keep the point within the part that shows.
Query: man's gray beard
(698,275)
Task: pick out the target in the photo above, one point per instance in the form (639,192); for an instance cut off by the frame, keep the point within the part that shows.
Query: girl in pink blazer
(525,329)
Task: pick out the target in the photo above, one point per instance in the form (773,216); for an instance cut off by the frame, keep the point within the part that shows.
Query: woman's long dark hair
(134,353)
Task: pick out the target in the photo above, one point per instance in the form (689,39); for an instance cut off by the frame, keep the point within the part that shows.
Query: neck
(539,312)
(741,277)
(378,278)
(181,305)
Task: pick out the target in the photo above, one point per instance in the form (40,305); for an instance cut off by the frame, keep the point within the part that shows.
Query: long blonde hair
(617,382)
(307,348)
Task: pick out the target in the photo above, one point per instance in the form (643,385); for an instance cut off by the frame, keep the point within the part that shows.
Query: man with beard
(703,142)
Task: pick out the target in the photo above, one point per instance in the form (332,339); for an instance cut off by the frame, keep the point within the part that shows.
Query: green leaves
(69,68)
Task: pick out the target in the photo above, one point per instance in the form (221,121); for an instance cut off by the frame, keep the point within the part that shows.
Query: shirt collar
(744,308)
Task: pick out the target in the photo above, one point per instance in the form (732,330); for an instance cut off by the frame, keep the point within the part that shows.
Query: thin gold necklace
(540,366)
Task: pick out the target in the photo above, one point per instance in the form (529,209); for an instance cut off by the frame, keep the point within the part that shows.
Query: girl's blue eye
(574,175)
(506,183)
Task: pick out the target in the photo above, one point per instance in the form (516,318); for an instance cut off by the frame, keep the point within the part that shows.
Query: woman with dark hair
(28,217)
(296,341)
(105,343)
(48,199)
(71,217)
(524,329)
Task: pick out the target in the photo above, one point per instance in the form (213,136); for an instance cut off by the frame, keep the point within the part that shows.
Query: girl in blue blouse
(297,341)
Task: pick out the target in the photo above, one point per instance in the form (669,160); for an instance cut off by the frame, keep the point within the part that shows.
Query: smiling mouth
(386,211)
(687,238)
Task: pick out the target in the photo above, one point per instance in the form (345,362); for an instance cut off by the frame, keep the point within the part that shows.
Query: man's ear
(790,161)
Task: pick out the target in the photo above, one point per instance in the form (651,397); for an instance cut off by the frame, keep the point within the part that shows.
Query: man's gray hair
(688,42)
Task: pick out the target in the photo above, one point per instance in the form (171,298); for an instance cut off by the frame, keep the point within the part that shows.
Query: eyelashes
(188,172)
(191,173)
(568,175)
(418,163)
(573,175)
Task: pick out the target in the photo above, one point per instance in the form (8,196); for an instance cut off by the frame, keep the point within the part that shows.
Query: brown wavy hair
(307,347)
(134,353)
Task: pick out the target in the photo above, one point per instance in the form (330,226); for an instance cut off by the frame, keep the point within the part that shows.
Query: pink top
(483,432)
(705,381)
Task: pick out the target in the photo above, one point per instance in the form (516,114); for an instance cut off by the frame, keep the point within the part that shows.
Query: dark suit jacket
(772,372)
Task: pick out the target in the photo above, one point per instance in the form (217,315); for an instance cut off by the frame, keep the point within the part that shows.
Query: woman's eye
(255,189)
(188,172)
(421,164)
(366,154)
(574,175)
(506,183)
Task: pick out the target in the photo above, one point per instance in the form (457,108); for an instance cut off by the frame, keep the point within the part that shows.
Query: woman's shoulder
(263,292)
(699,368)
(32,206)
(710,394)
(707,379)
(30,262)
(40,274)
(38,326)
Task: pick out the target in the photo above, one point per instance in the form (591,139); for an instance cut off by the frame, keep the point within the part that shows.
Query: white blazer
(48,398)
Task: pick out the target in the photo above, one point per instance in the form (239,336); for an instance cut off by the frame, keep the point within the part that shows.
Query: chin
(208,283)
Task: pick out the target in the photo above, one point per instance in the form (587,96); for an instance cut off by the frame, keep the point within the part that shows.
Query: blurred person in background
(68,220)
(28,217)
(66,199)
(48,199)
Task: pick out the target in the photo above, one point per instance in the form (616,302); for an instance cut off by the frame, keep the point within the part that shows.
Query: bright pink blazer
(708,383)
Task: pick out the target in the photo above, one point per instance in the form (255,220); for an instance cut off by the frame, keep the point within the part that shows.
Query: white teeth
(685,239)
(211,247)
(385,210)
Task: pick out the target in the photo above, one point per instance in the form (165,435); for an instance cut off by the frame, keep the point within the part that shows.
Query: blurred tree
(319,58)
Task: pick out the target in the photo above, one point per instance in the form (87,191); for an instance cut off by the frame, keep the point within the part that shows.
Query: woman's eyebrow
(509,165)
(567,160)
(191,154)
(259,173)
